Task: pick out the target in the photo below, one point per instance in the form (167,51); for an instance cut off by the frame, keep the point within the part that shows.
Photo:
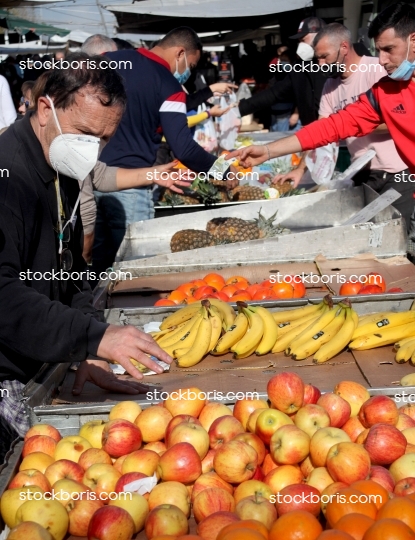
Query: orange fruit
(240,281)
(333,534)
(187,288)
(347,501)
(295,525)
(242,296)
(376,279)
(229,290)
(354,524)
(389,529)
(251,524)
(165,302)
(349,288)
(283,290)
(178,297)
(214,280)
(243,534)
(401,508)
(264,294)
(379,494)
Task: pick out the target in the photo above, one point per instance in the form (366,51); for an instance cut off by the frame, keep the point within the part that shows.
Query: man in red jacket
(391,100)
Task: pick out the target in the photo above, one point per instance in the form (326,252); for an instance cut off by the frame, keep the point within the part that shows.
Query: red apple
(64,468)
(258,474)
(207,462)
(30,477)
(180,463)
(119,462)
(212,500)
(283,476)
(385,444)
(224,429)
(348,462)
(153,422)
(166,519)
(80,512)
(120,437)
(404,487)
(256,443)
(36,460)
(102,479)
(196,435)
(111,522)
(337,408)
(257,508)
(405,422)
(354,393)
(210,527)
(253,417)
(268,421)
(235,461)
(243,408)
(43,429)
(39,443)
(71,447)
(144,461)
(321,442)
(289,445)
(286,392)
(251,487)
(378,410)
(64,490)
(136,505)
(211,411)
(381,476)
(29,529)
(186,401)
(170,493)
(298,497)
(409,434)
(159,447)
(310,418)
(353,427)
(319,478)
(311,394)
(176,420)
(210,480)
(92,456)
(126,479)
(306,466)
(403,467)
(409,410)
(127,410)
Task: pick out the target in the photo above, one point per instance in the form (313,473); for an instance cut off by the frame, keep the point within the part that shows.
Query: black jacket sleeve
(280,92)
(197,98)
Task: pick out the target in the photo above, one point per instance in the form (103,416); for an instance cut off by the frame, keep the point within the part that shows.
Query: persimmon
(267,284)
(265,294)
(370,289)
(215,280)
(187,288)
(389,529)
(378,493)
(354,524)
(401,508)
(229,290)
(247,524)
(376,279)
(240,281)
(347,501)
(334,534)
(204,291)
(220,296)
(178,297)
(252,289)
(165,302)
(295,525)
(349,288)
(283,289)
(190,300)
(241,296)
(298,286)
(198,283)
(395,290)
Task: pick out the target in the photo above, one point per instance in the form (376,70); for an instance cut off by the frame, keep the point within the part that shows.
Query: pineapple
(284,188)
(191,239)
(228,230)
(247,193)
(207,193)
(171,198)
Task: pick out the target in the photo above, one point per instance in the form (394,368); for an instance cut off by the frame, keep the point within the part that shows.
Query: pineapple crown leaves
(267,225)
(208,193)
(171,199)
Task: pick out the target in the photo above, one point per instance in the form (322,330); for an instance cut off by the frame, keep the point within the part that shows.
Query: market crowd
(78,145)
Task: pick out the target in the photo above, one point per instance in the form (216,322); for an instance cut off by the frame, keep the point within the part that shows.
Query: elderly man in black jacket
(46,312)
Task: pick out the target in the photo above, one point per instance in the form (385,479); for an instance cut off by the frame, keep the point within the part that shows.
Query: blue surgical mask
(182,77)
(405,70)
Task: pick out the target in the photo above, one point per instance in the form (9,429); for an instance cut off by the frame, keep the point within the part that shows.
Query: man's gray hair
(336,33)
(98,44)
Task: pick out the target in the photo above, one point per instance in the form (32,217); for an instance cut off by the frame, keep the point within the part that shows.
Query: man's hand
(172,178)
(119,344)
(250,155)
(87,249)
(100,373)
(223,87)
(295,176)
(217,111)
(294,119)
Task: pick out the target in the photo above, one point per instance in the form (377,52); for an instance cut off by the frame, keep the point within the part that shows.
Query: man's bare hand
(294,176)
(217,111)
(100,373)
(172,178)
(119,344)
(223,87)
(250,155)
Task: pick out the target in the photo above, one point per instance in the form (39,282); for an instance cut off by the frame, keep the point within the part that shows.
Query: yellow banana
(312,329)
(283,328)
(355,318)
(253,336)
(402,342)
(246,354)
(404,353)
(182,315)
(234,334)
(384,336)
(412,359)
(311,346)
(363,319)
(391,320)
(227,312)
(187,340)
(284,341)
(338,342)
(294,314)
(270,330)
(200,346)
(177,334)
(177,353)
(161,333)
(408,380)
(216,322)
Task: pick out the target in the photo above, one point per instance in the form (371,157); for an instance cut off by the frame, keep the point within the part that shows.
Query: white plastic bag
(229,123)
(205,132)
(321,163)
(245,93)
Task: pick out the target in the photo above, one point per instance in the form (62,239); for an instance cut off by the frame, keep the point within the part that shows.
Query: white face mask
(305,52)
(73,155)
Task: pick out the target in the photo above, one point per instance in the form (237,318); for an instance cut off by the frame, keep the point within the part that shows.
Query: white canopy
(75,35)
(208,8)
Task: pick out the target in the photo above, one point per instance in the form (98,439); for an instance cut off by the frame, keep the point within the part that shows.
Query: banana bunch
(191,332)
(386,328)
(405,350)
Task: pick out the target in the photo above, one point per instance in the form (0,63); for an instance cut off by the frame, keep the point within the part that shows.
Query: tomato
(350,288)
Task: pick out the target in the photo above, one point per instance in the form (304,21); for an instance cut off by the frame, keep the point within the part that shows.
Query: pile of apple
(232,470)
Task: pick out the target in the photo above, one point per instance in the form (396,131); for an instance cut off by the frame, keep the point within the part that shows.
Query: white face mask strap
(78,200)
(54,114)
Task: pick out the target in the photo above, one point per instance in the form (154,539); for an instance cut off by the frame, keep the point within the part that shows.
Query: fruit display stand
(315,222)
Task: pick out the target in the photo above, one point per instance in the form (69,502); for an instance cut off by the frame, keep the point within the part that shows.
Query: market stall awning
(23,26)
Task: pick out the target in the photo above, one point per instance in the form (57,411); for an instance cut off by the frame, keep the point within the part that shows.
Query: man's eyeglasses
(66,255)
(24,102)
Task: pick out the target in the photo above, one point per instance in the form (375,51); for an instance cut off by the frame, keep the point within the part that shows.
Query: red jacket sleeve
(355,120)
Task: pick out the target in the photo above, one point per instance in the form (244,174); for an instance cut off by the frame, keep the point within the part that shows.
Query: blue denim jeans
(115,211)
